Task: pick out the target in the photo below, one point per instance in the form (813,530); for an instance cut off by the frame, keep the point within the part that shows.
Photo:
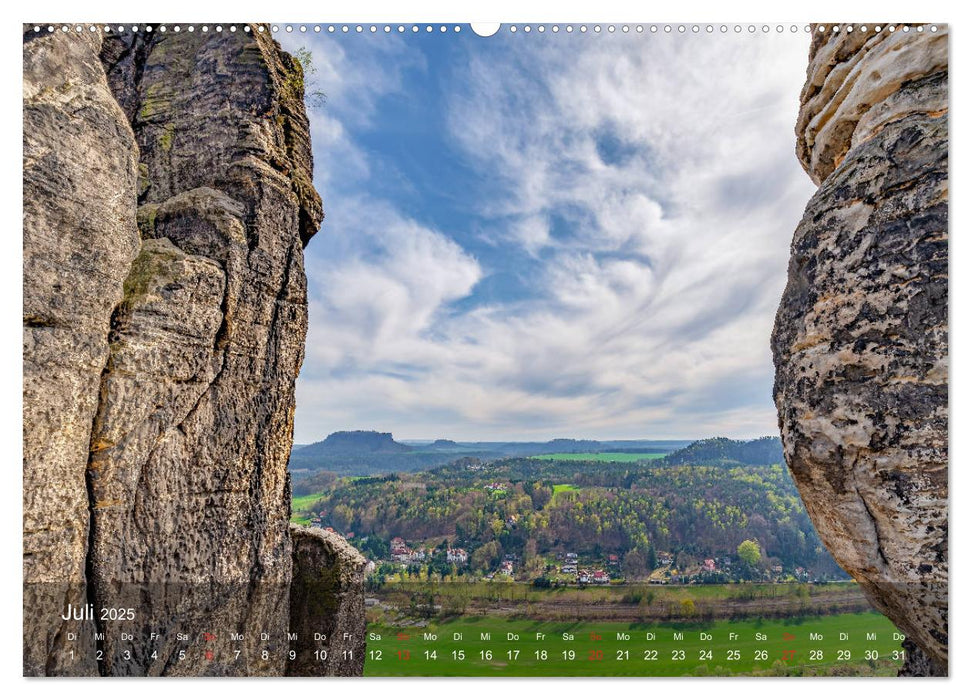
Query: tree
(486,556)
(304,82)
(683,560)
(651,558)
(343,517)
(534,566)
(749,552)
(634,564)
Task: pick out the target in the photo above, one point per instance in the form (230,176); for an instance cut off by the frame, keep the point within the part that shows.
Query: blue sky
(556,235)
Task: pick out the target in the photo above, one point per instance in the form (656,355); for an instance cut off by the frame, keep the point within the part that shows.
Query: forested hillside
(718,451)
(539,509)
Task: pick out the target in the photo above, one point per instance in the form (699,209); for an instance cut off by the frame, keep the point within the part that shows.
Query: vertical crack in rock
(876,531)
(164,320)
(89,480)
(860,342)
(79,239)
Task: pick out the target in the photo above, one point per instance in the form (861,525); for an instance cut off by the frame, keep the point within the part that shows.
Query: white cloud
(652,184)
(373,304)
(346,79)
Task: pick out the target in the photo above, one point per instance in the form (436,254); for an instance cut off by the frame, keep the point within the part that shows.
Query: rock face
(861,337)
(328,576)
(80,169)
(167,201)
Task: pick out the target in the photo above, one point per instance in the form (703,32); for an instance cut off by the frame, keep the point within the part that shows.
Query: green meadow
(847,644)
(300,505)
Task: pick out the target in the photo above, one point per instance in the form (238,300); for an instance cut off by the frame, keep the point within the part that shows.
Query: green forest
(733,521)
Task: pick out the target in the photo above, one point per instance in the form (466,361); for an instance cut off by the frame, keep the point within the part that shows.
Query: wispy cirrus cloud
(594,247)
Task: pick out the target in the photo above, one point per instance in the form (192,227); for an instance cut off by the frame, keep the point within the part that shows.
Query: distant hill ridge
(719,450)
(368,452)
(357,441)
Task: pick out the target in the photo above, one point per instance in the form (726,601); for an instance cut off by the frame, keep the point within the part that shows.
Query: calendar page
(511,350)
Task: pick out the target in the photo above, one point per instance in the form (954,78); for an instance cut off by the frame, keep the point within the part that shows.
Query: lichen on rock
(167,202)
(861,335)
(79,240)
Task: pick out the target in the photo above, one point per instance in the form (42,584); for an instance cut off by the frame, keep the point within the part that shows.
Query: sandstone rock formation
(328,575)
(861,336)
(79,239)
(167,199)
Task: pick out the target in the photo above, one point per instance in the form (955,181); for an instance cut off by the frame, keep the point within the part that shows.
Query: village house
(709,566)
(400,552)
(456,556)
(599,576)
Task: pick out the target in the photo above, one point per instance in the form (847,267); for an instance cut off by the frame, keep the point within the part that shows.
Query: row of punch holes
(512,28)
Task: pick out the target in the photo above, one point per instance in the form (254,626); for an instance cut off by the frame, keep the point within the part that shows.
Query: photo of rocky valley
(611,333)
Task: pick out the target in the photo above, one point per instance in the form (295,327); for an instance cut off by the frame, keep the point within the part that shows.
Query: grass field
(493,646)
(601,456)
(632,603)
(300,505)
